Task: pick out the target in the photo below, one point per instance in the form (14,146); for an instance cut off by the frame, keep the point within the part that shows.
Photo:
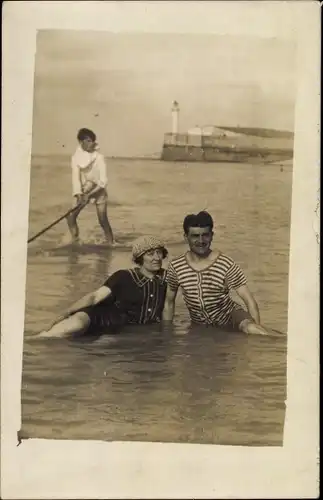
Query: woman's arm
(250,302)
(91,299)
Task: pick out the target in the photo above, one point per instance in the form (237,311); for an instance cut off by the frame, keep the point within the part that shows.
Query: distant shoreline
(67,155)
(252,132)
(50,159)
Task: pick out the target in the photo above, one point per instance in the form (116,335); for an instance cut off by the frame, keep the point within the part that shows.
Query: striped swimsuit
(206,292)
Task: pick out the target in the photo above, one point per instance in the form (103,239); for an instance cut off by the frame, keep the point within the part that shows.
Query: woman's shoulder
(122,273)
(117,276)
(134,274)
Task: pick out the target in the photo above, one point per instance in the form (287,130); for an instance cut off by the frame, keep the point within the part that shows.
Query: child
(89,183)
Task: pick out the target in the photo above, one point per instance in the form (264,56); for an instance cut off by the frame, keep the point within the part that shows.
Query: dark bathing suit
(135,299)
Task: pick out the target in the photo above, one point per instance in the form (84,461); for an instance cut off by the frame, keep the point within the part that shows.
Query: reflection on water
(191,384)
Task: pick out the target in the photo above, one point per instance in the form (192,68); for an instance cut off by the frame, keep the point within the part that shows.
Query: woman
(129,296)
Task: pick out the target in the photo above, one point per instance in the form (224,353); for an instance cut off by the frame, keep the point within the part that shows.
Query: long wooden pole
(71,210)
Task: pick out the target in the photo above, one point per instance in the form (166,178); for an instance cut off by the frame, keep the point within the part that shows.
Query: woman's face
(153,260)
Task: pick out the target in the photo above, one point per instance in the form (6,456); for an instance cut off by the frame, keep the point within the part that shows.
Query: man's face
(88,144)
(199,240)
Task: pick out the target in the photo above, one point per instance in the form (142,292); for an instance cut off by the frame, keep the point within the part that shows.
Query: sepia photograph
(158,251)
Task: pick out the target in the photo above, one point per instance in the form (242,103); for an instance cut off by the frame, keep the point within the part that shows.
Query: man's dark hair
(83,133)
(202,219)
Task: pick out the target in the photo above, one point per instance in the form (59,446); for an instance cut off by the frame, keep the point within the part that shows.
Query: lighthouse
(175,117)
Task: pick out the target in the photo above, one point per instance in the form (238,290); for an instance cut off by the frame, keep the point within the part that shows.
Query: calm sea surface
(194,384)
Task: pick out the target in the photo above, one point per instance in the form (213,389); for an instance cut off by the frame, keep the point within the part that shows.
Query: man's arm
(250,302)
(169,306)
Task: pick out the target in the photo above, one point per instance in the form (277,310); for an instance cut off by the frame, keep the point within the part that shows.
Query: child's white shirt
(88,167)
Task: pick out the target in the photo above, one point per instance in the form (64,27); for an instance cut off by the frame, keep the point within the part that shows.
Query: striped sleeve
(171,278)
(235,277)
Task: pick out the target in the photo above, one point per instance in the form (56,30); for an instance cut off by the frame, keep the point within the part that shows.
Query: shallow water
(192,384)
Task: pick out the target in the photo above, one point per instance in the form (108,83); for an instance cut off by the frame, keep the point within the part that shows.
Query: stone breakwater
(227,147)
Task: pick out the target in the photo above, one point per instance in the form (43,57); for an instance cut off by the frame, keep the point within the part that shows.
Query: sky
(123,85)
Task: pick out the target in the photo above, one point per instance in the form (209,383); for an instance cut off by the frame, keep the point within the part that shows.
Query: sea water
(195,385)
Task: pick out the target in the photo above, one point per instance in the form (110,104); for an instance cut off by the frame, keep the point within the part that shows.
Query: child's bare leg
(101,210)
(72,224)
(75,325)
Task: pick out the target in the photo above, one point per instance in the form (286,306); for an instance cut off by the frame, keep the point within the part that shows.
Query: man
(89,183)
(206,277)
(128,296)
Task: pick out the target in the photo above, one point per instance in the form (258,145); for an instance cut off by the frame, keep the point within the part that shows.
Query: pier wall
(182,153)
(240,148)
(209,154)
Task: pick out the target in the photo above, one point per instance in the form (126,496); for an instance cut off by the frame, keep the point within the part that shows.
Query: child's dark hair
(85,133)
(140,260)
(202,219)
